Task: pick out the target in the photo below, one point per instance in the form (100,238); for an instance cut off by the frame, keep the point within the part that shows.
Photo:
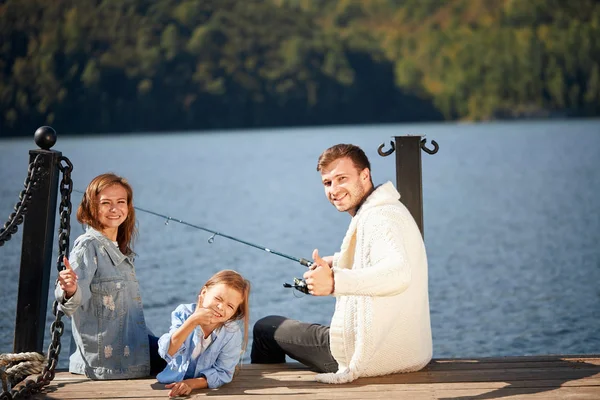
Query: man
(379,278)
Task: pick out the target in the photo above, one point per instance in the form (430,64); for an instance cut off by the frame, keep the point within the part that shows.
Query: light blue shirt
(110,338)
(216,363)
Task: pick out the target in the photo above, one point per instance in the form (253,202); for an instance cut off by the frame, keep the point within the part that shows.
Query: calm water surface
(512,224)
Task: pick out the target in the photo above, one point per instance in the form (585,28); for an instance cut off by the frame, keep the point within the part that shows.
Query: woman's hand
(179,389)
(67,279)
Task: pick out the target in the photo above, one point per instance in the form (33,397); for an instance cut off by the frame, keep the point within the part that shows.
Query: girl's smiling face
(223,300)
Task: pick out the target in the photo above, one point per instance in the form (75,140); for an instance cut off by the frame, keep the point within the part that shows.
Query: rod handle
(305,262)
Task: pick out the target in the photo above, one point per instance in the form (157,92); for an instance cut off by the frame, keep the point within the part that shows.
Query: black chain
(15,219)
(57,327)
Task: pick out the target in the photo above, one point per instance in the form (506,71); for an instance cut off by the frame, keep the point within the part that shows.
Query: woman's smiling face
(112,209)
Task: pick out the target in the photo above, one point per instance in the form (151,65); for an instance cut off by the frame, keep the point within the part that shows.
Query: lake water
(511,209)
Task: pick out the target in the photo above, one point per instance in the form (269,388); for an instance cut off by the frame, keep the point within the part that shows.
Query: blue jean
(274,337)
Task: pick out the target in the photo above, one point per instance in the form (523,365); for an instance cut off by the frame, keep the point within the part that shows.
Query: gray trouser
(274,337)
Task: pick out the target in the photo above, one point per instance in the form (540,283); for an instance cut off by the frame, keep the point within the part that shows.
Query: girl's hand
(178,389)
(204,316)
(67,279)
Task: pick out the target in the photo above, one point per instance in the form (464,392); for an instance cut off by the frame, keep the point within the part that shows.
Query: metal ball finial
(45,137)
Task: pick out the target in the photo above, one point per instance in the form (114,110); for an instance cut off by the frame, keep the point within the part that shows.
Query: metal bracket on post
(409,172)
(36,251)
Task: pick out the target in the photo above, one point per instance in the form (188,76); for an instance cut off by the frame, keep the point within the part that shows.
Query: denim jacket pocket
(108,298)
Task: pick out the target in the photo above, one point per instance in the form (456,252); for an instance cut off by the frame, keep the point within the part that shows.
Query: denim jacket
(216,363)
(110,338)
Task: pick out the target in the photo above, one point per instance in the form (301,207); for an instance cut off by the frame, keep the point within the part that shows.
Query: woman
(98,289)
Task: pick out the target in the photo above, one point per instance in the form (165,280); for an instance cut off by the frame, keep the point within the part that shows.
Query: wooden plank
(473,367)
(436,365)
(415,377)
(149,388)
(337,392)
(468,365)
(509,359)
(315,387)
(530,378)
(505,362)
(460,376)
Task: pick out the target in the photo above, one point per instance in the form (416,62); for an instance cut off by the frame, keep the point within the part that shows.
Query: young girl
(204,344)
(99,290)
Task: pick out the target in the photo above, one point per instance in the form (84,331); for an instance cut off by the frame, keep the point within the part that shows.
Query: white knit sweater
(381,320)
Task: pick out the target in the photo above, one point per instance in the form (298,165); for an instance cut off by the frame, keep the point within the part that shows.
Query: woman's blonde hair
(234,280)
(87,213)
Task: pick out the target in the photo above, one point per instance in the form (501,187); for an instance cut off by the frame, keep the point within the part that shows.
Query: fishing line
(298,284)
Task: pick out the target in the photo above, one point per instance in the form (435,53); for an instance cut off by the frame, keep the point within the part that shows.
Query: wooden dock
(536,377)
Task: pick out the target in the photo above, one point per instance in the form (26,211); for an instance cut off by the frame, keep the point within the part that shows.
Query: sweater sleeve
(336,258)
(384,270)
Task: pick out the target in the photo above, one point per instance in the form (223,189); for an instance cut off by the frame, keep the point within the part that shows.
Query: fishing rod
(299,284)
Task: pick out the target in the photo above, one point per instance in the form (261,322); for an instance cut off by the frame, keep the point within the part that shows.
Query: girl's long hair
(234,280)
(87,213)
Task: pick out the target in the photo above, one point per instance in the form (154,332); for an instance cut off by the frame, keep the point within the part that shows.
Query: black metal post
(409,176)
(36,251)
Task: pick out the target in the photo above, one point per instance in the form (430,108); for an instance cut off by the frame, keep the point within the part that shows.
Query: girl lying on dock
(205,343)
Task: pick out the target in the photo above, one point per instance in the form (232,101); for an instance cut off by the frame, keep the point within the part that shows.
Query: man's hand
(319,279)
(327,259)
(67,279)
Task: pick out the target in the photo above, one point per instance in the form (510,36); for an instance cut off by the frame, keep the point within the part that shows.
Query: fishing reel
(299,284)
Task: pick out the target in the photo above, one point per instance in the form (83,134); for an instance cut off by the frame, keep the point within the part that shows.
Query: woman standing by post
(99,290)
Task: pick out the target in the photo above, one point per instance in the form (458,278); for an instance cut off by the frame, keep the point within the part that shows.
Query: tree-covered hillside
(152,65)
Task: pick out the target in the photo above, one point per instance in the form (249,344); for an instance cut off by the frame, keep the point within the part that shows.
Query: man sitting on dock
(381,321)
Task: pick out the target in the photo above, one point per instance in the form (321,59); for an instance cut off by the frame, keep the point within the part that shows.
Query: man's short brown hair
(355,153)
